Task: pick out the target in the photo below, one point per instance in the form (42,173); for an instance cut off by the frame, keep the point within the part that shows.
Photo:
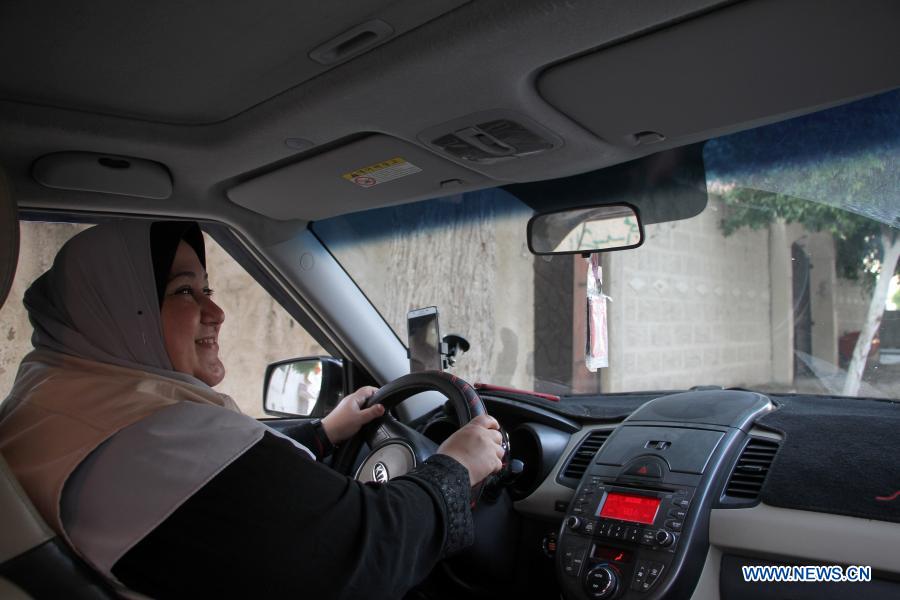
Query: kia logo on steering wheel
(380,472)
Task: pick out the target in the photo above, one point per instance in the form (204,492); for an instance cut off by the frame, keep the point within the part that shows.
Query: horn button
(388,461)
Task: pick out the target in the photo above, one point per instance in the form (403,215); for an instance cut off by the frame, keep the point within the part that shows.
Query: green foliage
(824,171)
(857,238)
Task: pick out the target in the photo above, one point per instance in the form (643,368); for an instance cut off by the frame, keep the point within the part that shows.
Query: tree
(857,239)
(846,162)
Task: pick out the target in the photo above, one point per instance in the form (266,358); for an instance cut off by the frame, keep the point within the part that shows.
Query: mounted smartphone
(424,340)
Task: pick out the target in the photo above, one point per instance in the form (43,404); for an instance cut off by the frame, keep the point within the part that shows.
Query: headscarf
(164,238)
(107,453)
(101,298)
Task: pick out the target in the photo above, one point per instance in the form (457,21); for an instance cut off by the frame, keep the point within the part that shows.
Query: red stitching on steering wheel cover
(450,385)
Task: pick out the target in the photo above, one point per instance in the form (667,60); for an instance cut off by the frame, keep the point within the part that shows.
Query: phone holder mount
(452,346)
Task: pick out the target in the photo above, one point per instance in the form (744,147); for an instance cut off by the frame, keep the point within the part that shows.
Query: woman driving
(163,486)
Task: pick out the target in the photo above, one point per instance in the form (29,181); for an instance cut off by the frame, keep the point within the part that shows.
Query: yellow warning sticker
(388,170)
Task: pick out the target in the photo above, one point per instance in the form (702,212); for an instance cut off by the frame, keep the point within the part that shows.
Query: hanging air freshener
(597,345)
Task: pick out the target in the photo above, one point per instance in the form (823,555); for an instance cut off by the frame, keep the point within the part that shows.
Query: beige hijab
(61,408)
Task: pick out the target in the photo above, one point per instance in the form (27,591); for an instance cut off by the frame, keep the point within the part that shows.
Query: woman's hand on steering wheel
(349,416)
(395,448)
(476,446)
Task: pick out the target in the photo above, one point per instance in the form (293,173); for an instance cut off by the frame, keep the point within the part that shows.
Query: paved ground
(885,378)
(879,381)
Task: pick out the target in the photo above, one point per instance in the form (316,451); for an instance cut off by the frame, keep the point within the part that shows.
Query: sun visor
(665,186)
(709,73)
(375,171)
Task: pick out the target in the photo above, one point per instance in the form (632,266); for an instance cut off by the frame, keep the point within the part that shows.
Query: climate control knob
(601,582)
(574,523)
(664,538)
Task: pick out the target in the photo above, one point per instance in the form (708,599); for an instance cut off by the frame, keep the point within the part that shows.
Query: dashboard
(669,496)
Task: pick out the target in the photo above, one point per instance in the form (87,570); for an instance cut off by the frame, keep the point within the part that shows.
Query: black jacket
(275,523)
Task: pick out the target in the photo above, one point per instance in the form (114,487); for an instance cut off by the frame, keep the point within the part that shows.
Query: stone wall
(256,331)
(890,330)
(37,248)
(689,307)
(475,267)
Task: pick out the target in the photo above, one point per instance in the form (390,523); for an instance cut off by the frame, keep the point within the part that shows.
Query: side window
(257,330)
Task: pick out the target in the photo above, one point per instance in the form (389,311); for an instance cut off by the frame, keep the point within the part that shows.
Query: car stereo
(629,512)
(637,526)
(616,537)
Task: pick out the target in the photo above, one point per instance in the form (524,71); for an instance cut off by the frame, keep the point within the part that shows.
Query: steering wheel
(395,449)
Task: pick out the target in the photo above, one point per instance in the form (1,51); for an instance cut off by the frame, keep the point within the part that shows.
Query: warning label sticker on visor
(388,170)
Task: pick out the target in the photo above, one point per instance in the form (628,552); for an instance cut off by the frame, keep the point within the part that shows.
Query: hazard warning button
(645,467)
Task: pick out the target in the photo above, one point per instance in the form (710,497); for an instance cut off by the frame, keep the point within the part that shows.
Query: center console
(637,525)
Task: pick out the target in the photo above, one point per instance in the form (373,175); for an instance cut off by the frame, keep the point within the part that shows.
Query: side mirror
(303,387)
(586,230)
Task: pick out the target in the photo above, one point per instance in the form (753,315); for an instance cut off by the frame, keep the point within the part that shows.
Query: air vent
(585,453)
(751,469)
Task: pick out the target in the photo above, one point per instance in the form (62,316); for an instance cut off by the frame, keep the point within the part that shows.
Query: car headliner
(477,56)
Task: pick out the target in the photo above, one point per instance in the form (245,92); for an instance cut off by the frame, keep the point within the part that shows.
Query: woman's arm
(276,523)
(312,436)
(343,422)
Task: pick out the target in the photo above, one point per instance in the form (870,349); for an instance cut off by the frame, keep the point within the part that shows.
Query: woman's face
(191,320)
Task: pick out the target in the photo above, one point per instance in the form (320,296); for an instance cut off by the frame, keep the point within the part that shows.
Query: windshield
(783,283)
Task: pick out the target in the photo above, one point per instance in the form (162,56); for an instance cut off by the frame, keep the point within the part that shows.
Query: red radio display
(628,507)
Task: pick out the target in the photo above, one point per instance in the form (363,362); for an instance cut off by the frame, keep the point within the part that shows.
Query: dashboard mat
(838,456)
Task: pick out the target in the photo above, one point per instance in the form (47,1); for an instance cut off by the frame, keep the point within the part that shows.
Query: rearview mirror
(303,387)
(586,230)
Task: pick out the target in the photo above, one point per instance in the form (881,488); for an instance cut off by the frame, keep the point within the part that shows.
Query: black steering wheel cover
(463,398)
(395,392)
